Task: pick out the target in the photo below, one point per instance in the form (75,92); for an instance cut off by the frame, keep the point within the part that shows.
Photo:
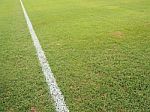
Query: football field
(98,51)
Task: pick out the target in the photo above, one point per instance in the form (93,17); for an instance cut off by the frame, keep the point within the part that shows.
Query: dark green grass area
(22,84)
(99,51)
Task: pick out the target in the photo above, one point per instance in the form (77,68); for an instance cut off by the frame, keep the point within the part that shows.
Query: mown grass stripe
(54,89)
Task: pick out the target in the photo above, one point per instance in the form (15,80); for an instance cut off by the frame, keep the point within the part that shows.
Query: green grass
(99,52)
(22,84)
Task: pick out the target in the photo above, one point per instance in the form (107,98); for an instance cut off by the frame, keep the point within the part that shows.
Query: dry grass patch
(117,34)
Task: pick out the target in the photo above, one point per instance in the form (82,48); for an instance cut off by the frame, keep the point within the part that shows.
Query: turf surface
(22,84)
(99,51)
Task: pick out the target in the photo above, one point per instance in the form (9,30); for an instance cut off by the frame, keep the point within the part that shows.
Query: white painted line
(54,89)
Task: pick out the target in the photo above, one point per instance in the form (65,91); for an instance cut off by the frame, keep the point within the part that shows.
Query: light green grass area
(99,51)
(22,84)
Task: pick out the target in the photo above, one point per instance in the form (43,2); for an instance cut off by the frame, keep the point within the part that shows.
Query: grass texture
(99,51)
(22,84)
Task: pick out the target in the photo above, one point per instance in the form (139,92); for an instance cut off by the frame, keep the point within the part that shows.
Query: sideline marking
(51,81)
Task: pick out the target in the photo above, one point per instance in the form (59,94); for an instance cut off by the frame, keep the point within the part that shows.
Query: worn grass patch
(118,34)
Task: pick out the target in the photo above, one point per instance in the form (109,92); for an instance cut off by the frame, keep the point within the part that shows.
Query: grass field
(22,85)
(99,52)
